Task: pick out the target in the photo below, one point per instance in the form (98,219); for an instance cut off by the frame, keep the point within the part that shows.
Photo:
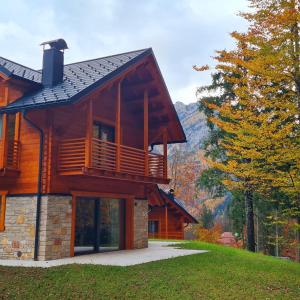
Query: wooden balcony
(9,158)
(106,159)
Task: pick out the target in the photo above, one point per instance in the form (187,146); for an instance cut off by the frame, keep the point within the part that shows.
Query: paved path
(156,251)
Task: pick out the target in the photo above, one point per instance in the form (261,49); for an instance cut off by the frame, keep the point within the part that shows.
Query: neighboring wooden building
(76,160)
(167,216)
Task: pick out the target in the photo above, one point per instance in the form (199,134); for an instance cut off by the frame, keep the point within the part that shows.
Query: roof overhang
(175,131)
(161,198)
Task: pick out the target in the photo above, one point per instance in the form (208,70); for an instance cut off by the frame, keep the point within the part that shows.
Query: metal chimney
(53,62)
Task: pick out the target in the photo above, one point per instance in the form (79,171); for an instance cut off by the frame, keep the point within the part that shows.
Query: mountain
(194,124)
(187,161)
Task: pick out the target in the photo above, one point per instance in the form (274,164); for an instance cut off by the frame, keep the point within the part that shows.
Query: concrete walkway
(156,251)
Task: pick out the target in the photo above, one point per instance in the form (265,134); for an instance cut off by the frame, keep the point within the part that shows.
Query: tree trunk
(250,220)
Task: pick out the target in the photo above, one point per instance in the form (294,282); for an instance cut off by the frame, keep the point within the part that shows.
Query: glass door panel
(110,225)
(85,225)
(99,225)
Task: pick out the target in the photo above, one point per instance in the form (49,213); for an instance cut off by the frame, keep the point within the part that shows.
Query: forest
(252,150)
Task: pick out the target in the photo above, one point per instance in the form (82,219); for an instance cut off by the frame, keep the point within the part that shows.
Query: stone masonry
(55,227)
(17,240)
(140,224)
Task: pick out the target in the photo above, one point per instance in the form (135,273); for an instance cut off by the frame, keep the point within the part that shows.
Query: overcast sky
(182,33)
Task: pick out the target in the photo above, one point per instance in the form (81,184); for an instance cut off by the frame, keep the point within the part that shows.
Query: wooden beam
(140,98)
(118,127)
(153,108)
(139,84)
(3,152)
(165,140)
(166,221)
(73,225)
(146,131)
(129,223)
(89,132)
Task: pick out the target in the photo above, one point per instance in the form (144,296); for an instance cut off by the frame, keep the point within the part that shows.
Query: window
(153,226)
(2,210)
(103,132)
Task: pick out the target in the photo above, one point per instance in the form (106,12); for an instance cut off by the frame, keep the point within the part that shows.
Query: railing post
(118,128)
(146,131)
(165,141)
(89,131)
(4,141)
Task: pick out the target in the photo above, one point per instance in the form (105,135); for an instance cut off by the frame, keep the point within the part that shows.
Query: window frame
(149,226)
(2,210)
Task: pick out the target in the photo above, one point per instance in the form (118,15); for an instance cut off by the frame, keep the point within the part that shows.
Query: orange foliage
(210,235)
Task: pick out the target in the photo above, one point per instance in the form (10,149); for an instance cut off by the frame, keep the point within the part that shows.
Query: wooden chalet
(77,165)
(167,216)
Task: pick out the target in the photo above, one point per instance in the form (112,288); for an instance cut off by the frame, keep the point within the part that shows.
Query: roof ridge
(20,64)
(123,53)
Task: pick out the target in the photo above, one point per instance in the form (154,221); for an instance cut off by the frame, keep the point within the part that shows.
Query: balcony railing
(76,154)
(9,154)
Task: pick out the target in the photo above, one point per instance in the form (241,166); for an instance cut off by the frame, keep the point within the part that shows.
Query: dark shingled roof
(79,79)
(9,68)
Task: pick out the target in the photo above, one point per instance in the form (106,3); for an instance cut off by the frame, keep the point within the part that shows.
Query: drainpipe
(39,187)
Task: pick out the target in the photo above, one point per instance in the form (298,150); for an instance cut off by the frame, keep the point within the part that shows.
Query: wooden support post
(89,132)
(118,128)
(3,146)
(166,221)
(129,225)
(165,141)
(146,131)
(73,225)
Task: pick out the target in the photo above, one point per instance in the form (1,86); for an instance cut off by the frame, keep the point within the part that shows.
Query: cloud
(182,32)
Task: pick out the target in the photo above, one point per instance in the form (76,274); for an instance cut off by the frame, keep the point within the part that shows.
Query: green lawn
(223,273)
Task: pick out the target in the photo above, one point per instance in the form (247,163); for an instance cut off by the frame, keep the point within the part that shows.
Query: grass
(222,273)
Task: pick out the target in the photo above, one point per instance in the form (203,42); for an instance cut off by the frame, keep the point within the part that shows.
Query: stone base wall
(55,227)
(140,224)
(17,240)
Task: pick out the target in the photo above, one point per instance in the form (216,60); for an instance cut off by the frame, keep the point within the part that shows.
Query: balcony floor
(92,172)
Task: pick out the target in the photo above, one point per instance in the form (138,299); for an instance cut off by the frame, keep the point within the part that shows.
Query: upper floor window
(103,132)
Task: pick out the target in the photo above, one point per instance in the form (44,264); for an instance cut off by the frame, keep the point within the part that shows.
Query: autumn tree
(262,123)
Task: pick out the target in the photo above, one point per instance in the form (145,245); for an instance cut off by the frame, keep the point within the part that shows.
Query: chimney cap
(59,44)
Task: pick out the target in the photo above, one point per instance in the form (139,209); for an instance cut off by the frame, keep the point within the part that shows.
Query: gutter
(39,187)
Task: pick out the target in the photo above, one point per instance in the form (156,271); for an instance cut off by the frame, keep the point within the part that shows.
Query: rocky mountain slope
(194,125)
(190,159)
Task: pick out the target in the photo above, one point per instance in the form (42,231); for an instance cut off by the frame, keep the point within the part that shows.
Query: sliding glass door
(99,224)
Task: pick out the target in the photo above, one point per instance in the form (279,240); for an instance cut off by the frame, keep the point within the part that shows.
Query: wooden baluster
(118,128)
(146,131)
(89,132)
(165,141)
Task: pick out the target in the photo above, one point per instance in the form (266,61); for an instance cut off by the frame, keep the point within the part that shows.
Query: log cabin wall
(175,224)
(26,181)
(70,122)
